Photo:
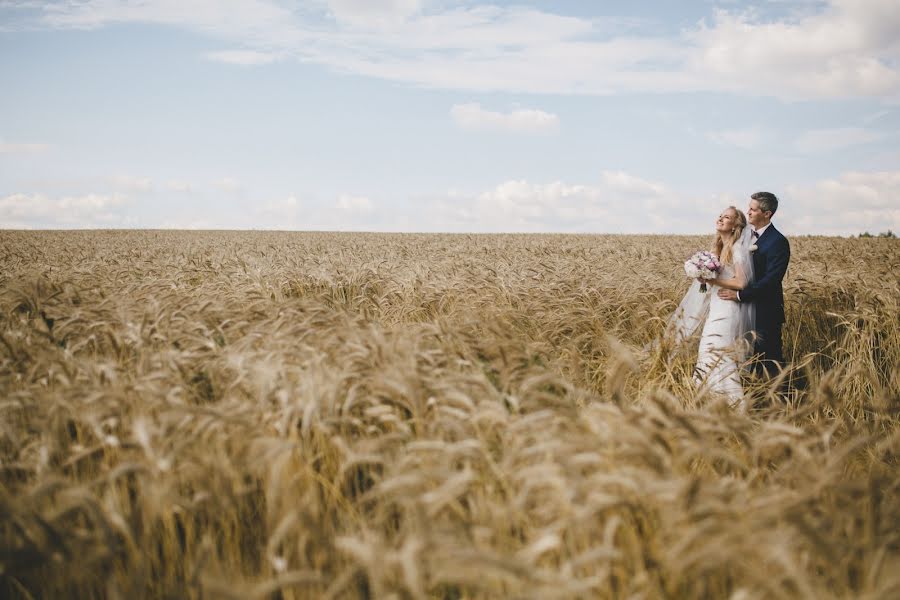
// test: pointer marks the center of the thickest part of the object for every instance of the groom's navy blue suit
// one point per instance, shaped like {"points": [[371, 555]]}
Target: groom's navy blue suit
{"points": [[770, 262]]}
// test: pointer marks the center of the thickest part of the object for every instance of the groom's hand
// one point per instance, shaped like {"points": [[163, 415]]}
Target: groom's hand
{"points": [[728, 295]]}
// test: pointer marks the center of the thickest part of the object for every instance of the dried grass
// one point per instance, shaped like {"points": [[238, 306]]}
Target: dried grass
{"points": [[280, 415]]}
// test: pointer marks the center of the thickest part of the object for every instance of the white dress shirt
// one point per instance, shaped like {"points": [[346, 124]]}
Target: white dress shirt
{"points": [[762, 229], [759, 233]]}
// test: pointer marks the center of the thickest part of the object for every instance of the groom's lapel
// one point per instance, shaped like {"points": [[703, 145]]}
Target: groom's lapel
{"points": [[765, 235]]}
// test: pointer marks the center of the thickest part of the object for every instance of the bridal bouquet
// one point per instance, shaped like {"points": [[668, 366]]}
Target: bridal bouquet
{"points": [[702, 265]]}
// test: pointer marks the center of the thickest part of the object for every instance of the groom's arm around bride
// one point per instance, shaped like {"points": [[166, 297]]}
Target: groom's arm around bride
{"points": [[770, 263]]}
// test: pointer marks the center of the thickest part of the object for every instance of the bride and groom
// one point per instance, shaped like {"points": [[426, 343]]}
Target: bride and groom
{"points": [[744, 308]]}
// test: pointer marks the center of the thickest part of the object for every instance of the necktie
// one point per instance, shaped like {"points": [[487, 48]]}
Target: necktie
{"points": [[755, 234]]}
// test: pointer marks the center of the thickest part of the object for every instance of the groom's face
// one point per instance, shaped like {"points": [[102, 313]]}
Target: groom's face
{"points": [[755, 216]]}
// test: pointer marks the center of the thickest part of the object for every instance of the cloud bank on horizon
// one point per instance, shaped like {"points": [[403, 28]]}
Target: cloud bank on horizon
{"points": [[448, 115]]}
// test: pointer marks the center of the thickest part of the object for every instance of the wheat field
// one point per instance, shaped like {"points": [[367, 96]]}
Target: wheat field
{"points": [[325, 415]]}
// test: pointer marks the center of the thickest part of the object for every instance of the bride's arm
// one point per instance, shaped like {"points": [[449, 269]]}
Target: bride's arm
{"points": [[738, 282]]}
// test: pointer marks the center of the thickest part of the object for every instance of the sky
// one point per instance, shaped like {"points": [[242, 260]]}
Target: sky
{"points": [[449, 115]]}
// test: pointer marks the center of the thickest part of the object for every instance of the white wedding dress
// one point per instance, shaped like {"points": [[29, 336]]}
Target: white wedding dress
{"points": [[725, 341], [717, 368]]}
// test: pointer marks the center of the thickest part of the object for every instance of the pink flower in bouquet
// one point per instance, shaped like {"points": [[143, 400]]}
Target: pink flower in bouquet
{"points": [[702, 265]]}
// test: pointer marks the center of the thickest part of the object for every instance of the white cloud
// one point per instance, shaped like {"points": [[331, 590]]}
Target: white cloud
{"points": [[243, 57], [355, 205], [617, 203], [129, 183], [346, 213], [175, 185], [746, 139], [828, 140], [240, 18], [510, 49], [227, 184], [841, 48], [623, 203], [39, 211], [623, 183], [848, 205], [523, 120], [373, 13], [282, 213], [22, 148], [848, 49], [875, 117]]}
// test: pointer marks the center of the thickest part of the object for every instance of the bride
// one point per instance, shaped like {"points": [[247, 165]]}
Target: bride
{"points": [[725, 341]]}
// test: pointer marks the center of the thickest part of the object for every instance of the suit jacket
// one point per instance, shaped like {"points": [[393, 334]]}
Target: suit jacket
{"points": [[770, 262]]}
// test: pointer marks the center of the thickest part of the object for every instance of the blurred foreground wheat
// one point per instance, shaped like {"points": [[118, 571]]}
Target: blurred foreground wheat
{"points": [[276, 415]]}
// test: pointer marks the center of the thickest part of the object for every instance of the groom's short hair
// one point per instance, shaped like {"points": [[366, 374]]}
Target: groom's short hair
{"points": [[766, 200]]}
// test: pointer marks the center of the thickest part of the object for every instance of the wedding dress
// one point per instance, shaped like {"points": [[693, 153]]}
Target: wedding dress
{"points": [[717, 367], [726, 337]]}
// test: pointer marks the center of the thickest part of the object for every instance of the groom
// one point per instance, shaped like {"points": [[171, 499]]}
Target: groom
{"points": [[770, 262]]}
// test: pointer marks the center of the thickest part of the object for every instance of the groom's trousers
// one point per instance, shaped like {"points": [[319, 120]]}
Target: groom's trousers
{"points": [[768, 350]]}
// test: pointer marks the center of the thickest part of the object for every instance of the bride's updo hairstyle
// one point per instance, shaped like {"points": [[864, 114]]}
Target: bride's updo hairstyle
{"points": [[724, 242]]}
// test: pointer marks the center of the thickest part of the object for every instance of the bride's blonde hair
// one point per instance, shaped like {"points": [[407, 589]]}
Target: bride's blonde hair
{"points": [[723, 244]]}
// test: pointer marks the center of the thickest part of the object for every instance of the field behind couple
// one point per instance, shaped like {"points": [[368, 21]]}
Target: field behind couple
{"points": [[314, 415]]}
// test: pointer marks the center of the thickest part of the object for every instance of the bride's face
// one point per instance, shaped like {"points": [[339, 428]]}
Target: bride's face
{"points": [[726, 221]]}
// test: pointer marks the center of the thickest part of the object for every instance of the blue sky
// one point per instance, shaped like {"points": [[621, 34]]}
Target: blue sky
{"points": [[448, 115]]}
